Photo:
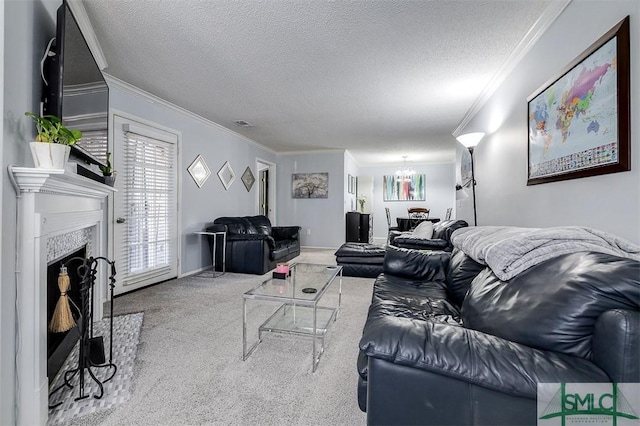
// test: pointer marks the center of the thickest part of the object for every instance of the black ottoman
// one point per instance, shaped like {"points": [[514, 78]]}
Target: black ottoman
{"points": [[360, 259]]}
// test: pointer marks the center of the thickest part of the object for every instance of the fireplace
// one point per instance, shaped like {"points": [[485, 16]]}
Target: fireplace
{"points": [[59, 345], [59, 213]]}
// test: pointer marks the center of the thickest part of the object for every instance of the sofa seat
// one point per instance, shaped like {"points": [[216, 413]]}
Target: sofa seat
{"points": [[283, 249], [360, 259]]}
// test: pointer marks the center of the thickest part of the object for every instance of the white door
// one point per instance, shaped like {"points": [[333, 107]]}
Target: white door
{"points": [[145, 206]]}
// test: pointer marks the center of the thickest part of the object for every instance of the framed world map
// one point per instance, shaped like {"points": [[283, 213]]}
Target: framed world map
{"points": [[578, 123]]}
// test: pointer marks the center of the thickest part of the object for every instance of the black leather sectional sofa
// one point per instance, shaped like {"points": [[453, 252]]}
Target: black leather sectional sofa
{"points": [[447, 343], [254, 246]]}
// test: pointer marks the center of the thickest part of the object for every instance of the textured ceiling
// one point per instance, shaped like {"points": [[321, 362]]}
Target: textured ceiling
{"points": [[382, 78]]}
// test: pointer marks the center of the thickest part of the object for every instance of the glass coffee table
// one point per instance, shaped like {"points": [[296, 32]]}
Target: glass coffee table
{"points": [[300, 312]]}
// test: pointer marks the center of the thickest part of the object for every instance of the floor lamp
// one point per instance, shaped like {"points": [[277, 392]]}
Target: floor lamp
{"points": [[470, 140]]}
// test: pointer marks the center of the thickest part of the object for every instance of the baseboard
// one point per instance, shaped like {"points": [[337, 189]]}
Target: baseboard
{"points": [[318, 248]]}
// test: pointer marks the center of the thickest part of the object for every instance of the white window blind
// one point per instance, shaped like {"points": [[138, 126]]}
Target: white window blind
{"points": [[151, 200]]}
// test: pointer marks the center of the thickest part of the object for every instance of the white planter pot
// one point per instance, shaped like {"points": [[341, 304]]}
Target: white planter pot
{"points": [[48, 155]]}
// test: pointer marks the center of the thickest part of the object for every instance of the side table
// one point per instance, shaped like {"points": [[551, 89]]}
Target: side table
{"points": [[215, 235]]}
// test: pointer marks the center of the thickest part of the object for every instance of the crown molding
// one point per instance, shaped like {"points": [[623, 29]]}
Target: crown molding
{"points": [[130, 88], [80, 13], [548, 16], [314, 151]]}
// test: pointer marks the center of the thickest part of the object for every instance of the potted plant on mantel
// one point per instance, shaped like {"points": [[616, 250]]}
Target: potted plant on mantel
{"points": [[53, 143], [107, 172]]}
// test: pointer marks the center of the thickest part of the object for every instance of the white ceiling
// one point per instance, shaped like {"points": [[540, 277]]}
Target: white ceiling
{"points": [[382, 78]]}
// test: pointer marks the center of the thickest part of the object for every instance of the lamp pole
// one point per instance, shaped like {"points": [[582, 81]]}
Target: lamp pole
{"points": [[473, 187], [470, 140]]}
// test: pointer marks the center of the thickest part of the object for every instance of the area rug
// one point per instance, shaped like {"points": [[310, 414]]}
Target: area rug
{"points": [[126, 334]]}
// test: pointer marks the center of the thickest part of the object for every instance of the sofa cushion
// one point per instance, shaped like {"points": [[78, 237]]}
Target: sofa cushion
{"points": [[363, 260], [402, 298], [261, 224], [442, 230], [360, 250], [423, 230], [285, 232], [555, 304], [364, 270], [416, 265], [282, 249], [461, 271]]}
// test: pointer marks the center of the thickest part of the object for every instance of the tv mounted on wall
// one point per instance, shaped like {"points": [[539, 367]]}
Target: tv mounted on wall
{"points": [[75, 89]]}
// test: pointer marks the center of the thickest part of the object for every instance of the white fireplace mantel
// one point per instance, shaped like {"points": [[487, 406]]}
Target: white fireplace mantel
{"points": [[51, 203], [57, 181]]}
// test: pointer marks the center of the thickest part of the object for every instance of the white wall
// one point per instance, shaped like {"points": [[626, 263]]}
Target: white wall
{"points": [[323, 217], [608, 202], [200, 206], [352, 168], [440, 194]]}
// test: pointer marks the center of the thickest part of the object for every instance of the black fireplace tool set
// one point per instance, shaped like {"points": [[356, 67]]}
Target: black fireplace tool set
{"points": [[91, 353]]}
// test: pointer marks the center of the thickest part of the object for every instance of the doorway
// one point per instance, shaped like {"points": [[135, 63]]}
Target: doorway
{"points": [[145, 207], [266, 194]]}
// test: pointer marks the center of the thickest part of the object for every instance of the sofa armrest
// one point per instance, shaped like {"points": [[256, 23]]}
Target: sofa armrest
{"points": [[252, 237], [285, 232], [615, 344], [415, 265], [216, 227], [471, 356], [415, 243]]}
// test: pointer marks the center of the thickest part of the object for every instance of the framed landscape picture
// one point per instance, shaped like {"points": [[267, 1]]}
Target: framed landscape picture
{"points": [[310, 185], [400, 188], [579, 121]]}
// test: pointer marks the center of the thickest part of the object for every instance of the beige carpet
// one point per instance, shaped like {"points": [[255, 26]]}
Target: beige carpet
{"points": [[189, 368]]}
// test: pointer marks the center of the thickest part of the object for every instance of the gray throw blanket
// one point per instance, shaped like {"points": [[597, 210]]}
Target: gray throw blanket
{"points": [[511, 250]]}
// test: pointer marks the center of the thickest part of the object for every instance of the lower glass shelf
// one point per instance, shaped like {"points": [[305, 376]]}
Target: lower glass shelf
{"points": [[292, 319]]}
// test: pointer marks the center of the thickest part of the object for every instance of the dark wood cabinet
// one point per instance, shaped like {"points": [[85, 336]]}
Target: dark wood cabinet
{"points": [[358, 227]]}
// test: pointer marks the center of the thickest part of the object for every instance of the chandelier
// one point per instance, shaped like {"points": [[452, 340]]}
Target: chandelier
{"points": [[405, 173]]}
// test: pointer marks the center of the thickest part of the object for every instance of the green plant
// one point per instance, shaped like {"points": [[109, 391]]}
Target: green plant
{"points": [[106, 168], [51, 129], [362, 199]]}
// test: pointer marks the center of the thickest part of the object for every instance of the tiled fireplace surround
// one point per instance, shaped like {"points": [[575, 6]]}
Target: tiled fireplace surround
{"points": [[58, 212]]}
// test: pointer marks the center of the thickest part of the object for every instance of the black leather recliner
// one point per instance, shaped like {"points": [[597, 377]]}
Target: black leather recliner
{"points": [[254, 246], [447, 343], [441, 239]]}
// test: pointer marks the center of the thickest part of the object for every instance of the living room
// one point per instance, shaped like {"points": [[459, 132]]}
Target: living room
{"points": [[608, 202]]}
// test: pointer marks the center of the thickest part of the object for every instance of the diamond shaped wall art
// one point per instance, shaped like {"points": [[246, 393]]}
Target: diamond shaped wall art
{"points": [[226, 175], [248, 179], [199, 171]]}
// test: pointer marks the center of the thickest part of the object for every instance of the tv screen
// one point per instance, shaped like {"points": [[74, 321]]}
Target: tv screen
{"points": [[77, 91]]}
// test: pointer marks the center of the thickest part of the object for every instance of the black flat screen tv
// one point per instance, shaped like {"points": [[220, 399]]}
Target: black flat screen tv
{"points": [[76, 90]]}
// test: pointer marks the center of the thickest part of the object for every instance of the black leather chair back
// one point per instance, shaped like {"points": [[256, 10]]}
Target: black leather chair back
{"points": [[236, 225]]}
